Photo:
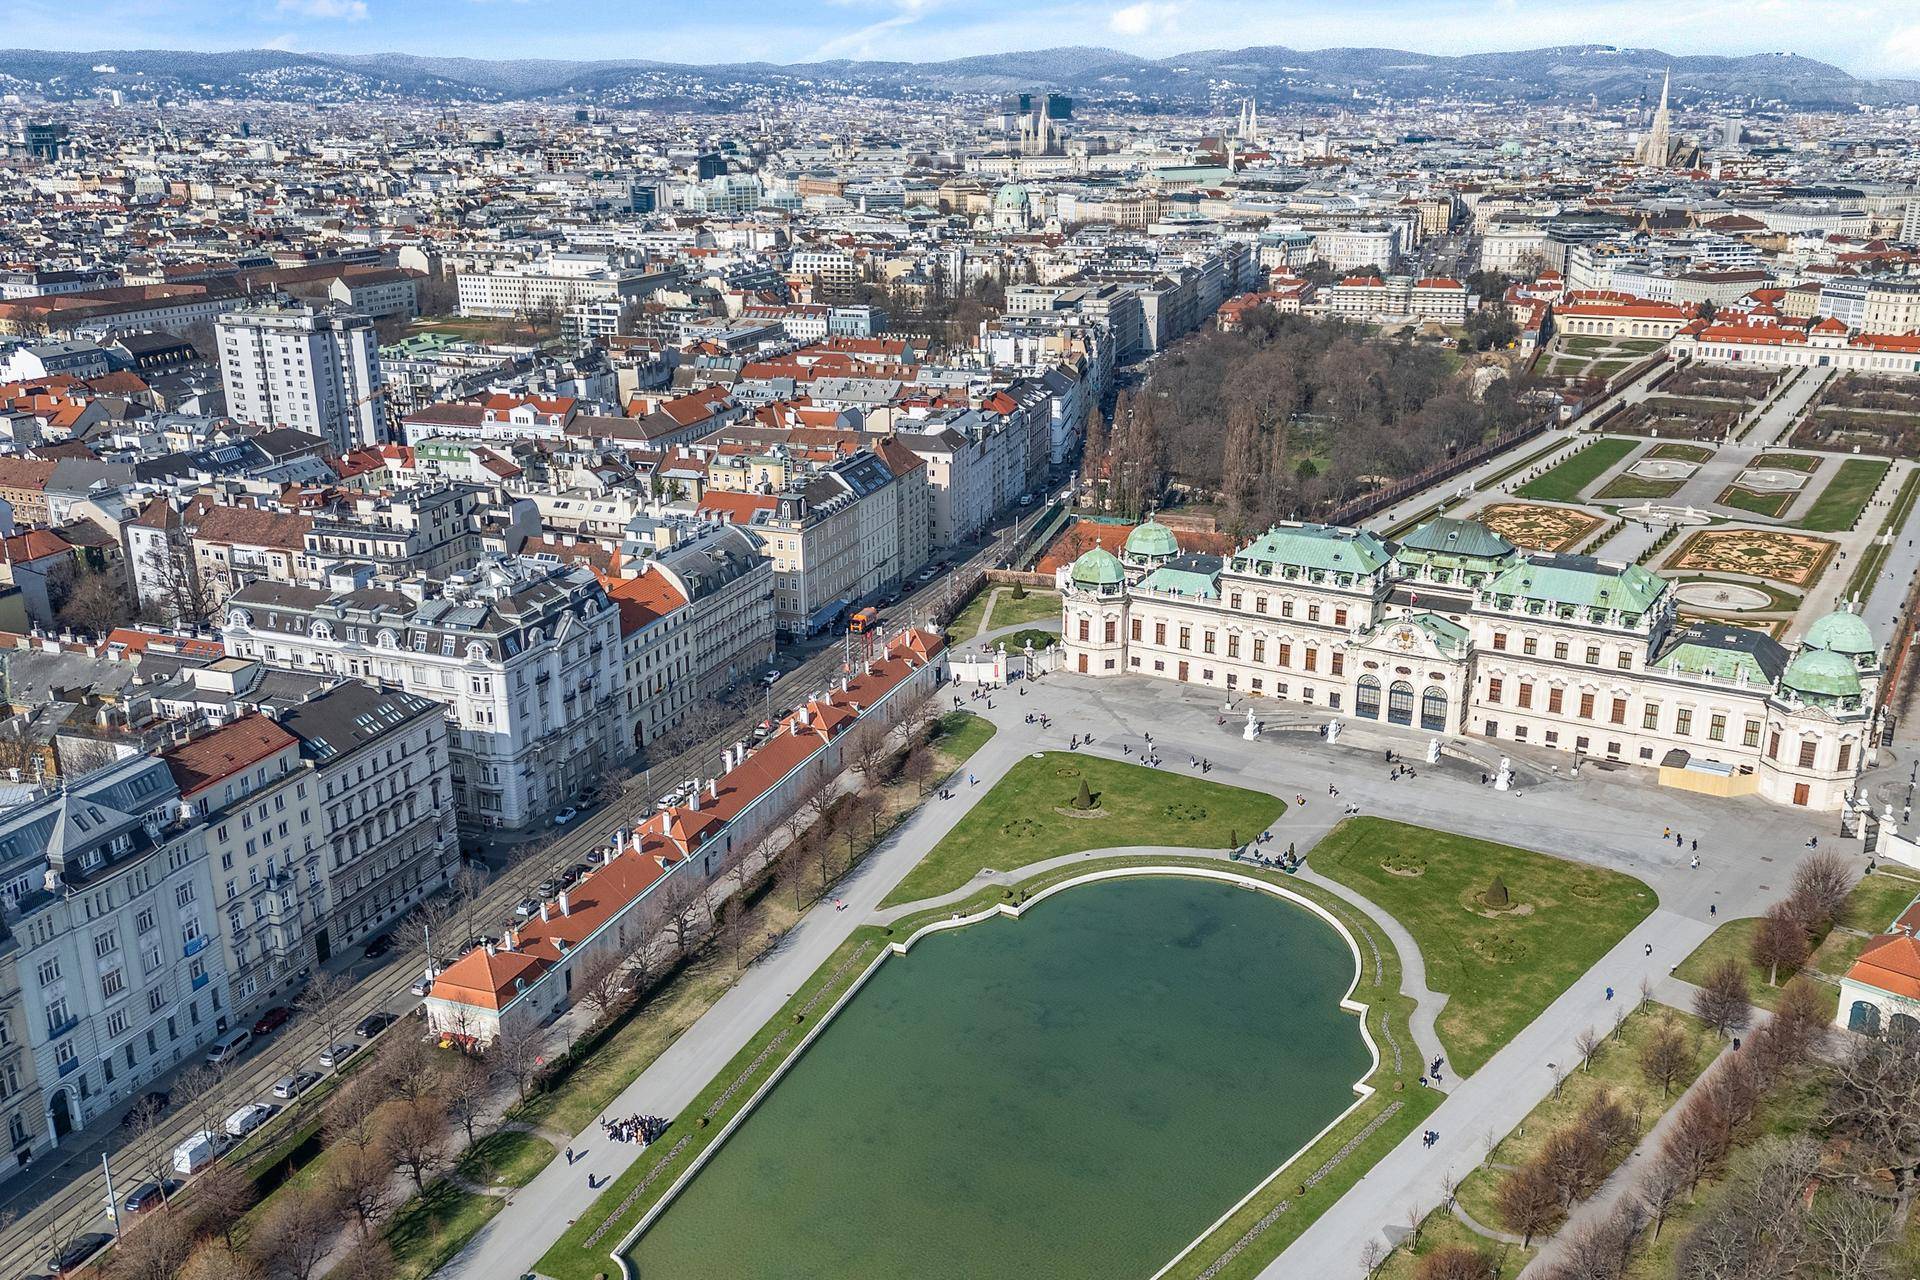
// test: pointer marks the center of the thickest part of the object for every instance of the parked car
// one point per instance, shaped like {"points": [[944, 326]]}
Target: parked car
{"points": [[596, 855], [229, 1047], [565, 816], [248, 1118], [421, 987], [771, 677], [149, 1195], [379, 946], [198, 1151], [75, 1255], [547, 888], [290, 1087], [150, 1103], [374, 1023], [272, 1020], [336, 1054], [527, 907]]}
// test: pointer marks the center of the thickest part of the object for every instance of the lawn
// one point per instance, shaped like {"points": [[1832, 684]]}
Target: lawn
{"points": [[1788, 461], [1566, 482], [1614, 1068], [1840, 503], [507, 1158], [1441, 1229], [1640, 487], [1871, 907], [429, 1229], [1680, 452], [1868, 571], [1028, 817], [966, 623], [1498, 969], [1761, 504], [1035, 606], [957, 735]]}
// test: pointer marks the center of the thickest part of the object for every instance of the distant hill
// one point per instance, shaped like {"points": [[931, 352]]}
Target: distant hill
{"points": [[1573, 74]]}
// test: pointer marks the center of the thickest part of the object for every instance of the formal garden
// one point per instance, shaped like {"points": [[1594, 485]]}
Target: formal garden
{"points": [[1535, 527], [1569, 479], [1671, 417], [1795, 559], [1877, 414]]}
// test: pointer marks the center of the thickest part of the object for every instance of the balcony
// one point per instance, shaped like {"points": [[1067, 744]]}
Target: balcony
{"points": [[69, 1066], [202, 981], [57, 1029], [195, 947]]}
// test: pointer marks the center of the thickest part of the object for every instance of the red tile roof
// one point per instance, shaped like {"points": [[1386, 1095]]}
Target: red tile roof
{"points": [[229, 750]]}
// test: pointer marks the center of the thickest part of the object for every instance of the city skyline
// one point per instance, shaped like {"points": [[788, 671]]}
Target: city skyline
{"points": [[1866, 37]]}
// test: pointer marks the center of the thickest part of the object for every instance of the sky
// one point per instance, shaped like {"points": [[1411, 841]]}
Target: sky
{"points": [[1867, 37]]}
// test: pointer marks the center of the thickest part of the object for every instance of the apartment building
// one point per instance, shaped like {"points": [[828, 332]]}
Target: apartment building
{"points": [[109, 930], [524, 657], [315, 370]]}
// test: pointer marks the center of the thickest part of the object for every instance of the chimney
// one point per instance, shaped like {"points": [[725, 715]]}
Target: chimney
{"points": [[546, 911], [566, 908], [490, 949], [713, 788]]}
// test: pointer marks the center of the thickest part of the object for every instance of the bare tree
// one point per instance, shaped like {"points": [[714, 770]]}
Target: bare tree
{"points": [[681, 910], [153, 1247], [871, 752], [195, 1090], [515, 1058], [408, 1066], [416, 1138], [736, 932], [221, 1195], [361, 1180], [1821, 885], [218, 1260], [352, 1117], [1660, 1190], [296, 1232], [97, 601], [1664, 1058], [1780, 942], [1588, 1042], [1722, 1003], [1454, 1262], [1854, 1236], [466, 1083], [1528, 1201], [467, 884], [1372, 1254], [1699, 1137], [188, 597], [1875, 1101], [599, 980], [323, 1002], [918, 768], [371, 1259]]}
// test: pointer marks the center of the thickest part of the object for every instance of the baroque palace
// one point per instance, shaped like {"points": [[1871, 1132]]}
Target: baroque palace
{"points": [[1454, 630]]}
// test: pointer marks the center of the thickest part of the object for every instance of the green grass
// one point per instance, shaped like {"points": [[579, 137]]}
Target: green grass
{"points": [[958, 734], [1037, 606], [508, 1158], [966, 623], [1640, 487], [1020, 821], [1016, 641], [1440, 1229], [1680, 452], [429, 1229], [1806, 462], [1566, 482], [1761, 504], [1867, 572], [1840, 503], [1878, 899], [1498, 971]]}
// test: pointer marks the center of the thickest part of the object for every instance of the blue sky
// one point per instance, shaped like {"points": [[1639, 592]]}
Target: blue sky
{"points": [[1869, 37]]}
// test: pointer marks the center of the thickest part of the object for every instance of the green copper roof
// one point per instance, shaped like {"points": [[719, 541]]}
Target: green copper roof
{"points": [[1580, 581], [1181, 582], [1446, 634], [1821, 673], [1446, 536], [1152, 541], [1098, 568], [1841, 632], [1317, 546]]}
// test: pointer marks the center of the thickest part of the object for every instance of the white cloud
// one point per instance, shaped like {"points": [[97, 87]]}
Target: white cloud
{"points": [[346, 10], [1144, 17]]}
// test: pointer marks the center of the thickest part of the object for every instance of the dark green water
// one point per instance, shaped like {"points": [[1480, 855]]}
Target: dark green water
{"points": [[1079, 1092]]}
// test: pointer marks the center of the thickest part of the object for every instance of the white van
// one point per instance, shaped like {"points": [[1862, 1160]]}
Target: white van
{"points": [[229, 1047], [248, 1118], [195, 1154]]}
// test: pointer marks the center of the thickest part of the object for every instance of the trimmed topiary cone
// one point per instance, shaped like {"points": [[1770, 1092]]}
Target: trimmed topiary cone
{"points": [[1497, 893]]}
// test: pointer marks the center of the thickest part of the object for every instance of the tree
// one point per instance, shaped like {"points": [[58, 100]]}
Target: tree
{"points": [[1084, 801], [407, 1067], [514, 1058], [97, 601], [352, 1115], [1528, 1201], [1660, 1190], [371, 1259], [1821, 885], [1722, 1003], [870, 751], [416, 1138], [1875, 1101], [918, 768], [221, 1195], [598, 981], [1699, 1137], [219, 1260], [1497, 893], [1664, 1057], [1779, 942], [195, 1090], [360, 1179], [152, 1247], [187, 598], [1588, 1042], [466, 1084], [323, 1003], [296, 1232], [1455, 1262], [681, 909]]}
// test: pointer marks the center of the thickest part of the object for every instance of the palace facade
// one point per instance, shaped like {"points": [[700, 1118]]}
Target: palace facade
{"points": [[1456, 631]]}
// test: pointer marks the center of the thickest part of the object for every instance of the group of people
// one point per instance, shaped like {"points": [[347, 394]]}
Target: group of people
{"points": [[1288, 861], [1429, 1137], [642, 1129]]}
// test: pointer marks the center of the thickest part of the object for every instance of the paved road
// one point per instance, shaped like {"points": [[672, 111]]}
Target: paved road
{"points": [[1609, 817]]}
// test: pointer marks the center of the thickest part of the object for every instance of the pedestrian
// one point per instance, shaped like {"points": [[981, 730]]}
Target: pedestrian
{"points": [[1665, 832], [1696, 849], [1695, 864], [569, 1155], [1649, 948], [1713, 909], [1609, 993]]}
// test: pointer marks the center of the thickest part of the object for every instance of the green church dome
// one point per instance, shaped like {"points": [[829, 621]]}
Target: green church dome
{"points": [[1098, 568], [1152, 541], [1841, 632], [1821, 673]]}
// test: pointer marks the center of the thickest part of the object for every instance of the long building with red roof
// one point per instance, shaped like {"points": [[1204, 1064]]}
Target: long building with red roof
{"points": [[510, 987]]}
